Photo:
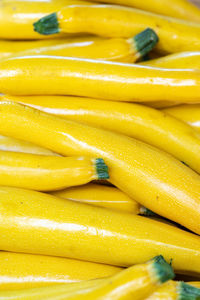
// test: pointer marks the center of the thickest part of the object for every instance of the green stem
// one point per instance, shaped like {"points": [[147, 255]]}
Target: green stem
{"points": [[188, 292], [47, 25], [145, 41], [162, 269], [101, 169]]}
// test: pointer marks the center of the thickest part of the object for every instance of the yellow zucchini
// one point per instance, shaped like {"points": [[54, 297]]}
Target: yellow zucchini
{"points": [[103, 196], [150, 176], [146, 124], [21, 271], [187, 113], [173, 290], [182, 9], [182, 60], [137, 281], [15, 145], [116, 49], [56, 75], [37, 223], [48, 173], [117, 21], [17, 16]]}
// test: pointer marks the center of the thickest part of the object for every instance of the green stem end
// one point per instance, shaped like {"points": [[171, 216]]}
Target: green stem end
{"points": [[101, 169], [47, 25], [188, 292], [163, 270], [145, 41]]}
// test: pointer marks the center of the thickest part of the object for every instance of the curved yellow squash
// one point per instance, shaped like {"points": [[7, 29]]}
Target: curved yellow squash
{"points": [[17, 16], [137, 281], [151, 177], [182, 60], [101, 195], [141, 122], [173, 290], [117, 21], [187, 113], [182, 9], [33, 222], [116, 49], [55, 75], [15, 145], [48, 173], [20, 271]]}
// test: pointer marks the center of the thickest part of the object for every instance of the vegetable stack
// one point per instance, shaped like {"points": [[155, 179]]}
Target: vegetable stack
{"points": [[99, 150]]}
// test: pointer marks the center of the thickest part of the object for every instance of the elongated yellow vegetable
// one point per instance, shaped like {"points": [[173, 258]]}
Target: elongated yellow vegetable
{"points": [[55, 75], [186, 113], [143, 123], [17, 16], [182, 9], [150, 176], [101, 195], [15, 145], [187, 60], [20, 271], [33, 222], [11, 48], [137, 281], [116, 21], [48, 173], [173, 290], [115, 49]]}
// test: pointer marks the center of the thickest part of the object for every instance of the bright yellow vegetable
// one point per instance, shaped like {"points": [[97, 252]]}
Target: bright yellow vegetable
{"points": [[133, 283], [150, 176], [11, 144], [186, 113], [48, 173], [115, 49], [17, 16], [182, 9], [33, 222], [20, 271], [56, 75], [101, 195], [173, 290], [183, 60], [11, 48], [116, 21], [141, 122]]}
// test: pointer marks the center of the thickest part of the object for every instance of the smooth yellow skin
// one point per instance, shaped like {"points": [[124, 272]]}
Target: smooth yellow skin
{"points": [[115, 49], [56, 75], [33, 222], [116, 21], [150, 176], [17, 16], [44, 173], [141, 122], [50, 292], [10, 48], [22, 271], [15, 145], [187, 60], [186, 113], [137, 281], [167, 291], [182, 9], [101, 195]]}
